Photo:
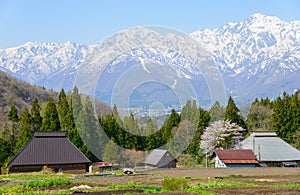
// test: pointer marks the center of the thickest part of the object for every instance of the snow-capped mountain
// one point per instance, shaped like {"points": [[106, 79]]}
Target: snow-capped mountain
{"points": [[124, 62], [258, 57], [249, 46], [37, 62]]}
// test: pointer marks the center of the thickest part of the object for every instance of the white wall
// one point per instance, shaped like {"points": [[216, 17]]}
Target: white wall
{"points": [[219, 163]]}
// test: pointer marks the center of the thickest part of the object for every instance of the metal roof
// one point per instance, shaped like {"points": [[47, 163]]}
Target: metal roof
{"points": [[240, 161], [236, 156], [268, 147], [47, 148], [50, 134], [155, 156]]}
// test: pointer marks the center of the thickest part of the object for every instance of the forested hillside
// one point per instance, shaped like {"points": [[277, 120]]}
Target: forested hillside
{"points": [[26, 109], [192, 133], [19, 93]]}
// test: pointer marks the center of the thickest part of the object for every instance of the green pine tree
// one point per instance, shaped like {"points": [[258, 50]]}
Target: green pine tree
{"points": [[172, 122], [88, 128], [132, 131], [89, 154], [26, 129], [77, 104], [71, 128], [13, 114], [294, 112], [6, 151], [217, 112], [112, 129], [117, 116], [63, 109], [6, 133], [36, 115], [190, 112], [150, 139], [285, 119], [14, 118], [50, 121], [232, 114], [203, 122]]}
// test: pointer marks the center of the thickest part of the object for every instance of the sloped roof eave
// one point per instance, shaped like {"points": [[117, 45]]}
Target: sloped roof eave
{"points": [[155, 157], [270, 148], [49, 148]]}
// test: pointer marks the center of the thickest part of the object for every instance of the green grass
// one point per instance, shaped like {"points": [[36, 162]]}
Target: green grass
{"points": [[132, 185], [32, 176], [289, 185], [38, 183], [45, 183], [201, 188], [32, 182]]}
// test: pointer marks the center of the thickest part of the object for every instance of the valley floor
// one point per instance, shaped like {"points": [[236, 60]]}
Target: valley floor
{"points": [[198, 181]]}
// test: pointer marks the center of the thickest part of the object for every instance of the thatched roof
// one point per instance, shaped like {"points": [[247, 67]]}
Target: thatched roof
{"points": [[48, 148]]}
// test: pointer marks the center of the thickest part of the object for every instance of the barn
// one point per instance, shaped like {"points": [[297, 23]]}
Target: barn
{"points": [[159, 158], [270, 150], [51, 149], [235, 158]]}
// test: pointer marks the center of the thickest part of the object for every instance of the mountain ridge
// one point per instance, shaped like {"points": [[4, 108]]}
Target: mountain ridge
{"points": [[262, 50]]}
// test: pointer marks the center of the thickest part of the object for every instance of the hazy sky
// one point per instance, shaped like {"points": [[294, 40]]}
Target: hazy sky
{"points": [[89, 21]]}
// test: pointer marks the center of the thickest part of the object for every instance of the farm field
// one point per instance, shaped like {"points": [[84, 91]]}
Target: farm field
{"points": [[160, 181]]}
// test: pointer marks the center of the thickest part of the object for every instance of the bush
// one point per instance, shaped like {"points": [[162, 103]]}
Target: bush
{"points": [[174, 184]]}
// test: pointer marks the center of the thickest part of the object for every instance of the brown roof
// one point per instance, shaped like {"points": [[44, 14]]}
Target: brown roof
{"points": [[50, 134], [236, 156], [47, 148]]}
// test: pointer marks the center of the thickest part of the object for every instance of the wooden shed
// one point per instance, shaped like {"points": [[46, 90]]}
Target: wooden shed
{"points": [[51, 149], [159, 158], [235, 158]]}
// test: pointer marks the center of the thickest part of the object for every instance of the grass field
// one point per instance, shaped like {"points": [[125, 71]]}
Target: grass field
{"points": [[160, 181]]}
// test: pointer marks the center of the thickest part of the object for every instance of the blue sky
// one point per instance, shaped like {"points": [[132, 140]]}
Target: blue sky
{"points": [[89, 21]]}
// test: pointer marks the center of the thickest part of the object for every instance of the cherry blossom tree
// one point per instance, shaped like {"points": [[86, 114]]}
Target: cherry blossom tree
{"points": [[221, 135]]}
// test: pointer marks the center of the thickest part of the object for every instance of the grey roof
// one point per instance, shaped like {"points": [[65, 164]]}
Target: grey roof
{"points": [[155, 156], [268, 147], [47, 148]]}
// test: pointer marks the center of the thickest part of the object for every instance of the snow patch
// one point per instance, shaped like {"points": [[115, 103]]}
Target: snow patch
{"points": [[174, 84]]}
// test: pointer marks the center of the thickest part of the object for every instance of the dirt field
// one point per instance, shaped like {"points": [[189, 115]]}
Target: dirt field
{"points": [[260, 191], [215, 172], [216, 181], [264, 178]]}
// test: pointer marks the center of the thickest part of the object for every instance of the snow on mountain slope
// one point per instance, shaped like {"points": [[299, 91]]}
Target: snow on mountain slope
{"points": [[34, 62], [257, 57], [162, 57], [250, 46]]}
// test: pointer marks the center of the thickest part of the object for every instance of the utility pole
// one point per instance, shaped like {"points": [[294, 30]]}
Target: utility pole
{"points": [[206, 160]]}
